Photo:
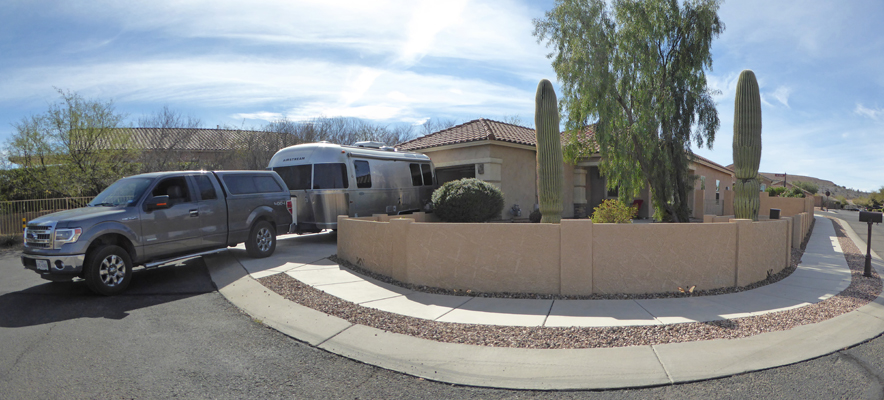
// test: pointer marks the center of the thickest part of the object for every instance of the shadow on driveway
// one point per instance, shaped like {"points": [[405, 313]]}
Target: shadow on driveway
{"points": [[54, 302]]}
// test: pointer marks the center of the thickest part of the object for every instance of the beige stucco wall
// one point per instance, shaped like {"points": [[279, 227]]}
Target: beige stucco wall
{"points": [[517, 177], [485, 257], [760, 249], [576, 257], [711, 174], [788, 206], [656, 258]]}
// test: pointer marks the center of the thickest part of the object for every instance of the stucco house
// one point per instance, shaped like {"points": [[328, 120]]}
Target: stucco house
{"points": [[505, 155]]}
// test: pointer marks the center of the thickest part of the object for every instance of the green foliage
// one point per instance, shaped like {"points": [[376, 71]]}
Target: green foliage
{"points": [[549, 153], [467, 200], [794, 192], [74, 149], [613, 212], [635, 71], [775, 191], [810, 187]]}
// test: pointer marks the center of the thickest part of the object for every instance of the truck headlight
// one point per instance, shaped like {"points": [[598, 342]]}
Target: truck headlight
{"points": [[63, 236]]}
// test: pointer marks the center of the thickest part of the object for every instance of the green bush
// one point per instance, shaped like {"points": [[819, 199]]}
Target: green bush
{"points": [[467, 200], [794, 192], [613, 211], [775, 191]]}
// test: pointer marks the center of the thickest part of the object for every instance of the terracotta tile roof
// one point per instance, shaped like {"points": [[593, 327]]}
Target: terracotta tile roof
{"points": [[473, 131], [482, 129]]}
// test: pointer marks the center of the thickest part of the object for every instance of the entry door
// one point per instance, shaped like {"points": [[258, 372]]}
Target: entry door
{"points": [[175, 230], [212, 211]]}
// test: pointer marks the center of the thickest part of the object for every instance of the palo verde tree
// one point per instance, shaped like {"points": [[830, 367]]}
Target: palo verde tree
{"points": [[74, 148], [635, 71]]}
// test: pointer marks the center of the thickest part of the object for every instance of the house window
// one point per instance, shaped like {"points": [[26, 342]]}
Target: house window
{"points": [[363, 174], [702, 183], [717, 186], [613, 192]]}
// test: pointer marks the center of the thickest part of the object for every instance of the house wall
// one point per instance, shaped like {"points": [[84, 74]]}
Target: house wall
{"points": [[575, 257], [517, 178]]}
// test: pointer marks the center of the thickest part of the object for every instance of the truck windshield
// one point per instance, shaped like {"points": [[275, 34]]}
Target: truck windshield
{"points": [[123, 192]]}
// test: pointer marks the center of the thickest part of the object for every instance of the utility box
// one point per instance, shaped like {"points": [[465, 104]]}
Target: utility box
{"points": [[865, 216]]}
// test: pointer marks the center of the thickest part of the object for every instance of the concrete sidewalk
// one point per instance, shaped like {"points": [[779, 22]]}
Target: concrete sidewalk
{"points": [[822, 274]]}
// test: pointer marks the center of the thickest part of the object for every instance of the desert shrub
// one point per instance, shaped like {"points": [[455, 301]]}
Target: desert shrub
{"points": [[467, 200], [613, 211], [10, 240], [775, 191], [794, 192], [810, 187], [535, 216]]}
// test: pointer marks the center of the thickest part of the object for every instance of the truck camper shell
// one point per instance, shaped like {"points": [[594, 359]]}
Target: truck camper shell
{"points": [[366, 178]]}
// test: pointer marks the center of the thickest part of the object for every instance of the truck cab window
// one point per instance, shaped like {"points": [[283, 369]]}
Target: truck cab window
{"points": [[296, 177], [206, 189], [248, 184], [330, 176], [176, 188], [363, 174], [415, 174], [428, 174]]}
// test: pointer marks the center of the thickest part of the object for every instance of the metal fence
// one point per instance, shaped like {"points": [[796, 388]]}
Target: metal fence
{"points": [[14, 214]]}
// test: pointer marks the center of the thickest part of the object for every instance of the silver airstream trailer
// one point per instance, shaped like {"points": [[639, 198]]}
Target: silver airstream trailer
{"points": [[366, 178]]}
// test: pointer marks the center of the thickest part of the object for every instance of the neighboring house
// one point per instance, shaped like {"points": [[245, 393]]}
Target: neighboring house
{"points": [[165, 148], [505, 155]]}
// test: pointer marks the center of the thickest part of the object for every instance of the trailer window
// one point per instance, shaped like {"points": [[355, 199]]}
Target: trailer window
{"points": [[296, 177], [248, 184], [363, 174], [428, 174], [330, 176], [415, 174]]}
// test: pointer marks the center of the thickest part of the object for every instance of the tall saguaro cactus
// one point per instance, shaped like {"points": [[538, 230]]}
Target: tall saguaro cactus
{"points": [[747, 146], [549, 153]]}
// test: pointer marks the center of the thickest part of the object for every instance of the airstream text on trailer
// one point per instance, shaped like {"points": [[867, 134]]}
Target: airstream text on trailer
{"points": [[367, 178]]}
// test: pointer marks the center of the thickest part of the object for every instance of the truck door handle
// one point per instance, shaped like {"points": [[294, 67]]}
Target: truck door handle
{"points": [[194, 213]]}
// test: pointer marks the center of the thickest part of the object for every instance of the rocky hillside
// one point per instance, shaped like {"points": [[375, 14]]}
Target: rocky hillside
{"points": [[824, 185]]}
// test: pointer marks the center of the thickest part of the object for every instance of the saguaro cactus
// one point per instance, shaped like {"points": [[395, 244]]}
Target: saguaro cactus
{"points": [[549, 153], [747, 146]]}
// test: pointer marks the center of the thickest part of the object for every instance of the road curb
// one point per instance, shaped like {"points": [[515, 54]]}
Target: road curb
{"points": [[544, 369]]}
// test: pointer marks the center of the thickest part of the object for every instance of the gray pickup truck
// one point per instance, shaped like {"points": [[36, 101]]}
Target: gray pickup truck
{"points": [[153, 219]]}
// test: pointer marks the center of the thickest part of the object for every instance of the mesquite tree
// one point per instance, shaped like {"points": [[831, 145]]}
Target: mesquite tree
{"points": [[636, 71]]}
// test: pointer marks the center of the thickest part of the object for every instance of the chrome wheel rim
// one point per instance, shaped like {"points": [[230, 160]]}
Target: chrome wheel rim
{"points": [[112, 271], [265, 239]]}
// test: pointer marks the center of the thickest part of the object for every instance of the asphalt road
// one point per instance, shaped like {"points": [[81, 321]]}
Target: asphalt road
{"points": [[171, 335], [862, 229]]}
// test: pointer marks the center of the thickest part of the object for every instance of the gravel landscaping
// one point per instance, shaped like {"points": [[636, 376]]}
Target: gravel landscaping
{"points": [[860, 292]]}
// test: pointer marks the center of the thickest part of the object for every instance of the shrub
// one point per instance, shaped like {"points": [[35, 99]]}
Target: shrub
{"points": [[775, 191], [613, 211], [794, 192], [535, 216], [467, 200]]}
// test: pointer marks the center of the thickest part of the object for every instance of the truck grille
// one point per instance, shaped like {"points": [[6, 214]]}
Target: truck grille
{"points": [[39, 236]]}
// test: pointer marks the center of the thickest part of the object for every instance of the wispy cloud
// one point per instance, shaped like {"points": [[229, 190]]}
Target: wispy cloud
{"points": [[781, 94], [874, 113], [260, 115]]}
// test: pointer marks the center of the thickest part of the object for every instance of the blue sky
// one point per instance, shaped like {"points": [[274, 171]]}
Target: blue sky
{"points": [[820, 66]]}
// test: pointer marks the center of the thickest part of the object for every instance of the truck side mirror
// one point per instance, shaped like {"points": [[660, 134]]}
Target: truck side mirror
{"points": [[157, 203]]}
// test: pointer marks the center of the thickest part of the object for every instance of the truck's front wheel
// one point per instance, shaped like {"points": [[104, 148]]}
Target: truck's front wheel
{"points": [[262, 240], [108, 270]]}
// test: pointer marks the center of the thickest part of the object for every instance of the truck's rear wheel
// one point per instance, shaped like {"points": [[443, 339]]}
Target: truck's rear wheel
{"points": [[262, 240], [108, 270]]}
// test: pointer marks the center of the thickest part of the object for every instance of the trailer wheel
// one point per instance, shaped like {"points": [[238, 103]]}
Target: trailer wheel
{"points": [[108, 270], [262, 240]]}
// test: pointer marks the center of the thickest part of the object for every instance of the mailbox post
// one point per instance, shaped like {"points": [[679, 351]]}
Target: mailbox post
{"points": [[870, 218]]}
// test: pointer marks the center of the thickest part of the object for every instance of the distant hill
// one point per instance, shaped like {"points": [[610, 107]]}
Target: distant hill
{"points": [[824, 185]]}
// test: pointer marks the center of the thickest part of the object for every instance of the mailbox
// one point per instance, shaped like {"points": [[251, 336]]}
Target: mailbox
{"points": [[865, 216], [774, 213]]}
